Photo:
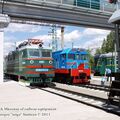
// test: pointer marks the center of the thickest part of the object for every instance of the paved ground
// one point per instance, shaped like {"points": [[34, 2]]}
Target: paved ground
{"points": [[97, 80], [22, 103], [87, 91]]}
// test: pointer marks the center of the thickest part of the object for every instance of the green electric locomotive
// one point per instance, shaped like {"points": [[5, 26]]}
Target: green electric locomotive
{"points": [[103, 61], [30, 62]]}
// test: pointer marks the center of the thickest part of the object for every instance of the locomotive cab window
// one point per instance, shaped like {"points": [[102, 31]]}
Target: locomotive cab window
{"points": [[71, 56], [63, 56], [99, 62], [24, 54], [109, 61], [77, 57], [84, 57], [46, 53], [34, 53], [117, 61]]}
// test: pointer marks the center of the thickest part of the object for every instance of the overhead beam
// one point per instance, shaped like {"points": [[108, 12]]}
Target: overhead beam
{"points": [[60, 15]]}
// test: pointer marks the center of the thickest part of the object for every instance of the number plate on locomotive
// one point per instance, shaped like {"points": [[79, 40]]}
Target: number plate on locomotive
{"points": [[80, 70], [41, 70]]}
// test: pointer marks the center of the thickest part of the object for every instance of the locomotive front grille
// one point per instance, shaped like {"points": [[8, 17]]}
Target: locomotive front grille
{"points": [[82, 75]]}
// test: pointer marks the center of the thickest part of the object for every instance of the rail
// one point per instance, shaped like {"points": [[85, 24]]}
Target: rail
{"points": [[96, 87], [83, 98]]}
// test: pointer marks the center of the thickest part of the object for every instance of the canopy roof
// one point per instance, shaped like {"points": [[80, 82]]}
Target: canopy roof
{"points": [[115, 18]]}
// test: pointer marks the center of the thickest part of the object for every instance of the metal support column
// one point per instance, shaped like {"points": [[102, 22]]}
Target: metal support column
{"points": [[1, 54], [4, 22], [117, 41], [62, 38], [114, 93]]}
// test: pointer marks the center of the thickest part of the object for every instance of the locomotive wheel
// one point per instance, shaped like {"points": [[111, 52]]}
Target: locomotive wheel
{"points": [[70, 80]]}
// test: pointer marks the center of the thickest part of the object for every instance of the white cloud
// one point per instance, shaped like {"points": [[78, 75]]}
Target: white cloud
{"points": [[8, 46], [14, 27], [92, 38], [95, 37], [88, 38], [94, 32], [45, 38], [68, 37], [10, 38], [95, 43], [74, 35]]}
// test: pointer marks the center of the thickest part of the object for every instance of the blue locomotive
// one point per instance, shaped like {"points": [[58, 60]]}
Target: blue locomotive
{"points": [[71, 66]]}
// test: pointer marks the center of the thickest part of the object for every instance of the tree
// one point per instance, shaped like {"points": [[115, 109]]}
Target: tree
{"points": [[103, 47], [98, 51], [110, 39], [91, 58], [107, 45]]}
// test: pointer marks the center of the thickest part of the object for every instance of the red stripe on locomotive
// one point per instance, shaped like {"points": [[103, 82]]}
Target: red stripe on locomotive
{"points": [[38, 66], [64, 71]]}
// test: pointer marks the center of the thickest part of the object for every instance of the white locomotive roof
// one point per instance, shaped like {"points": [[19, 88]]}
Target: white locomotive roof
{"points": [[28, 47], [108, 54], [115, 18], [28, 44], [33, 47]]}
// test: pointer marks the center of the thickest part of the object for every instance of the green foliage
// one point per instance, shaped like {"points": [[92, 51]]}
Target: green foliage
{"points": [[98, 51], [107, 45], [91, 58]]}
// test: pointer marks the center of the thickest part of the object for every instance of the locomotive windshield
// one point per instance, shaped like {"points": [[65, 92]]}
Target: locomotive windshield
{"points": [[82, 57], [46, 53], [71, 56], [63, 56], [34, 53]]}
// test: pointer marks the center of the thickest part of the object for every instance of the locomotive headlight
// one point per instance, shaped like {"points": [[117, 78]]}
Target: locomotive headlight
{"points": [[23, 63], [50, 62], [41, 62], [31, 61]]}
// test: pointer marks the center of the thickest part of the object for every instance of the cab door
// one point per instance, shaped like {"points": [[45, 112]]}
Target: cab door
{"points": [[20, 61], [103, 66]]}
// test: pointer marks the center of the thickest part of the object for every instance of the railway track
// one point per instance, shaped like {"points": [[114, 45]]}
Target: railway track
{"points": [[96, 87], [93, 86], [93, 101], [88, 99]]}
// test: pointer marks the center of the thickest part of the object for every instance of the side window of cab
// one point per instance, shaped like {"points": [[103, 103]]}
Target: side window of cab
{"points": [[24, 53]]}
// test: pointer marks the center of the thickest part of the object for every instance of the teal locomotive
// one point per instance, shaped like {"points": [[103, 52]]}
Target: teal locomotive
{"points": [[103, 61], [30, 62]]}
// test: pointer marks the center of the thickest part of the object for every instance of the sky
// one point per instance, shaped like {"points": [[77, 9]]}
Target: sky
{"points": [[81, 37]]}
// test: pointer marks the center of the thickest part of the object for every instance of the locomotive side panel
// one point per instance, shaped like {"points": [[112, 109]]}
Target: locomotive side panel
{"points": [[105, 61], [12, 64]]}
